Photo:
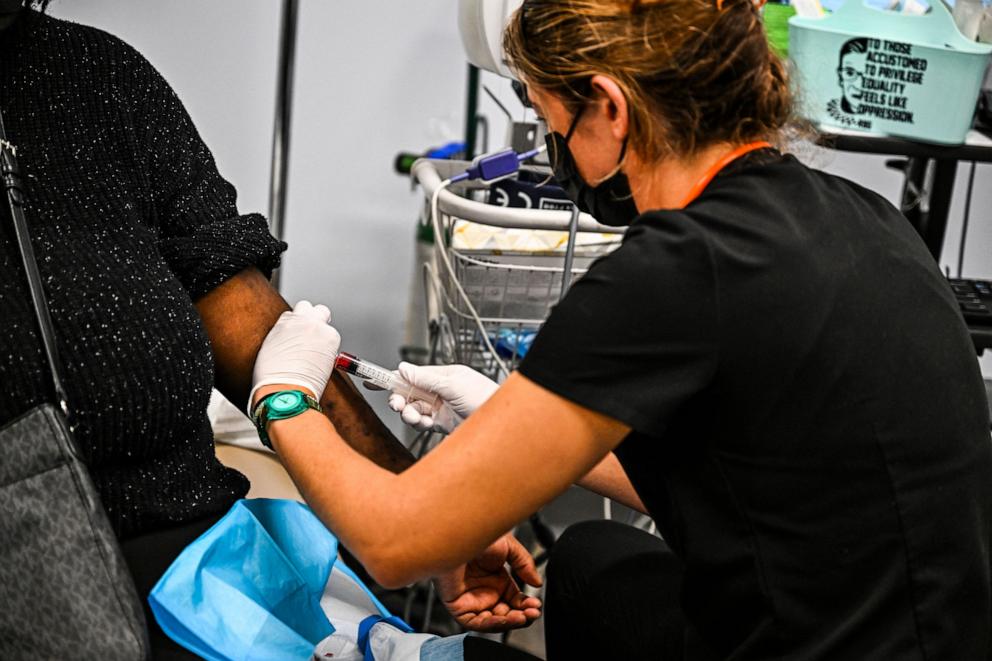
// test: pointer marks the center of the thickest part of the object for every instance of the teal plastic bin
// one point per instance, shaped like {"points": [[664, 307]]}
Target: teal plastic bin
{"points": [[871, 70]]}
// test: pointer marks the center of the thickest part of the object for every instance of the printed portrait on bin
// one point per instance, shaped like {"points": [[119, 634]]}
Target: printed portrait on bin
{"points": [[850, 74]]}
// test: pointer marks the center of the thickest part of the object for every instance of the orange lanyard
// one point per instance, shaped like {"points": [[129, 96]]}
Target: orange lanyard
{"points": [[701, 185]]}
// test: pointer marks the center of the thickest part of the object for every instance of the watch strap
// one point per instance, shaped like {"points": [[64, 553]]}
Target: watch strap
{"points": [[262, 413]]}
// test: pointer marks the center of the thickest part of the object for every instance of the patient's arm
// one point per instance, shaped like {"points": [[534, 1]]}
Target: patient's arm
{"points": [[237, 316]]}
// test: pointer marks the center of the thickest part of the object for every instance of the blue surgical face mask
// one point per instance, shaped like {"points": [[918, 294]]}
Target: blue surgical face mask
{"points": [[610, 201]]}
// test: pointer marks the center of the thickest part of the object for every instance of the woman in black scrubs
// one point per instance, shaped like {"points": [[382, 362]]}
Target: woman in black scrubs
{"points": [[771, 365]]}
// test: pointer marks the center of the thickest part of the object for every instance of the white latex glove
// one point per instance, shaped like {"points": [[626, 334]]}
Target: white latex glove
{"points": [[462, 390], [299, 350]]}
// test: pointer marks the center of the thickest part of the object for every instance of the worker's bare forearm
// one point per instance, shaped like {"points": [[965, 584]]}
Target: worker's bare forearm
{"points": [[237, 316], [608, 479]]}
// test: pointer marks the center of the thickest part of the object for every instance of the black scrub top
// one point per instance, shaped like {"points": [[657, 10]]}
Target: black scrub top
{"points": [[810, 430]]}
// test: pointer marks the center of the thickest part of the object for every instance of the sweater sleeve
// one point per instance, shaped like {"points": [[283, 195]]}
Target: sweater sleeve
{"points": [[202, 237]]}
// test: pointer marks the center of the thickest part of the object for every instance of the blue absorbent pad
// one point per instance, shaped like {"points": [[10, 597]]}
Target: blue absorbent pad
{"points": [[251, 588]]}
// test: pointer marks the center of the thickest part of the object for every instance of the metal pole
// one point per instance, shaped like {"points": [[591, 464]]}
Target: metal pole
{"points": [[573, 233], [471, 112], [283, 121]]}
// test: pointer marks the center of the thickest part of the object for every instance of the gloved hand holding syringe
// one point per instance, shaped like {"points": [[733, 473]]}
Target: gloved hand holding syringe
{"points": [[380, 377], [303, 349]]}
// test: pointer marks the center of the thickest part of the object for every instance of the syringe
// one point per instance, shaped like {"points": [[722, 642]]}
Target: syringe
{"points": [[383, 378]]}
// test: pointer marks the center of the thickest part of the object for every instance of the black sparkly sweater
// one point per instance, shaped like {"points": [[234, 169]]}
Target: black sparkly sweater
{"points": [[131, 223]]}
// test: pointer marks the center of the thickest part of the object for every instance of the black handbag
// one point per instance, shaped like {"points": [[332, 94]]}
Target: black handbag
{"points": [[65, 591]]}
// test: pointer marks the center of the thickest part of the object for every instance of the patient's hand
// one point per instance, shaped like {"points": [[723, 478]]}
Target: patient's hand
{"points": [[482, 596]]}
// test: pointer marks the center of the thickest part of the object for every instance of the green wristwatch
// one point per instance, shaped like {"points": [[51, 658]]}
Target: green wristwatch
{"points": [[280, 406]]}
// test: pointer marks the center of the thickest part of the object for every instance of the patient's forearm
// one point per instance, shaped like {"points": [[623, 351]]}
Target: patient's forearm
{"points": [[361, 428], [237, 316]]}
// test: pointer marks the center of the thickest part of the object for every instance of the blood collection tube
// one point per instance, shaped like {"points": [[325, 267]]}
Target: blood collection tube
{"points": [[383, 378]]}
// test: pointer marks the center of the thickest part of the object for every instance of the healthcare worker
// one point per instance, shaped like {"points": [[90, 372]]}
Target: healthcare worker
{"points": [[771, 365]]}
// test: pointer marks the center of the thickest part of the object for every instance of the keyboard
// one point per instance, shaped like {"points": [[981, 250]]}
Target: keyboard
{"points": [[974, 299]]}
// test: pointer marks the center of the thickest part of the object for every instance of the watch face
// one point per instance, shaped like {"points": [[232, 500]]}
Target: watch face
{"points": [[286, 402]]}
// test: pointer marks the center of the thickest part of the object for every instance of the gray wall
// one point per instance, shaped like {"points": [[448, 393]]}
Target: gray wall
{"points": [[373, 78]]}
